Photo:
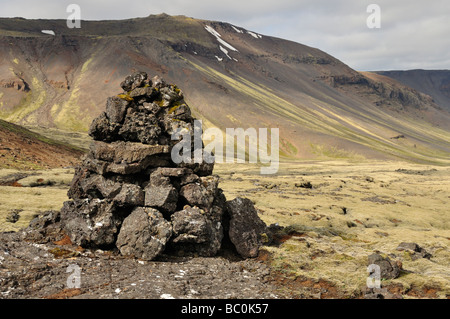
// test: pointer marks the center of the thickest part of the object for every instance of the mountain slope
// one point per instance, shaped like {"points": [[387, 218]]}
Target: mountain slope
{"points": [[23, 149], [435, 83], [231, 77]]}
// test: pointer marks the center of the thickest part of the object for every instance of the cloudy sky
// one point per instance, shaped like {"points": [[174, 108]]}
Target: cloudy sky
{"points": [[414, 34]]}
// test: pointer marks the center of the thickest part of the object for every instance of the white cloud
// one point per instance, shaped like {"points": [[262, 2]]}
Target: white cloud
{"points": [[413, 34]]}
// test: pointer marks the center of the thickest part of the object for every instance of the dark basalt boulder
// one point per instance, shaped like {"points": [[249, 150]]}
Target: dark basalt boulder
{"points": [[144, 234], [389, 269], [415, 251], [246, 230], [196, 232], [92, 223]]}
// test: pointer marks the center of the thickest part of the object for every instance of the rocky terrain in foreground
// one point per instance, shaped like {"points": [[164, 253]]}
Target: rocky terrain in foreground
{"points": [[32, 265], [42, 262]]}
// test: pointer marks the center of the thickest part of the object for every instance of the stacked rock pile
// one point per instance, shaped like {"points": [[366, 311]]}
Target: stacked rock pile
{"points": [[128, 193]]}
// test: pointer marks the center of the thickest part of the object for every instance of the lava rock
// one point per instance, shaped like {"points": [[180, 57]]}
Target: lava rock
{"points": [[200, 169], [13, 216], [195, 233], [44, 228], [388, 269], [130, 195], [246, 230], [162, 197], [179, 112], [91, 223], [88, 185], [189, 179], [102, 129], [133, 81], [140, 127], [125, 152], [416, 252], [380, 293], [201, 194], [146, 91], [190, 226], [158, 82], [144, 234], [116, 108]]}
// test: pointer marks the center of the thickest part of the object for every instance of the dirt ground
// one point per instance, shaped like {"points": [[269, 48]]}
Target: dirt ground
{"points": [[31, 270]]}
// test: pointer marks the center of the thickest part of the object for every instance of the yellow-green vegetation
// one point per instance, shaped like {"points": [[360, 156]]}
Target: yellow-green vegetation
{"points": [[174, 107], [38, 192], [59, 252], [76, 140], [69, 115], [10, 161], [31, 102], [352, 210], [332, 152], [125, 97], [287, 148]]}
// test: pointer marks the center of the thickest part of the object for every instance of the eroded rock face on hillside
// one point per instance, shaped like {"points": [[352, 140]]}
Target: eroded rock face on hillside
{"points": [[128, 193]]}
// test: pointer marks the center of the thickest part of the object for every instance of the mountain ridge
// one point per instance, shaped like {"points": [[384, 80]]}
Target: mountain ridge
{"points": [[435, 83], [231, 77]]}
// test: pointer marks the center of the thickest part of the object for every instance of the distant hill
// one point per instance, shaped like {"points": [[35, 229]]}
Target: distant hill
{"points": [[435, 83], [231, 77], [23, 149]]}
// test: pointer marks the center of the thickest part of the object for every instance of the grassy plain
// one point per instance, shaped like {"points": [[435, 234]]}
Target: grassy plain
{"points": [[352, 211], [37, 191]]}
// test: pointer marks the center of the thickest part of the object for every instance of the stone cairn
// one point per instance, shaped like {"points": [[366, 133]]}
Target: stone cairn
{"points": [[128, 193]]}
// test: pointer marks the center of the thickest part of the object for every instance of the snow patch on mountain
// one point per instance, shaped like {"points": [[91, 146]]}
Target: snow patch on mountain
{"points": [[50, 32], [224, 51], [255, 35], [229, 46], [222, 43], [212, 31], [237, 30]]}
